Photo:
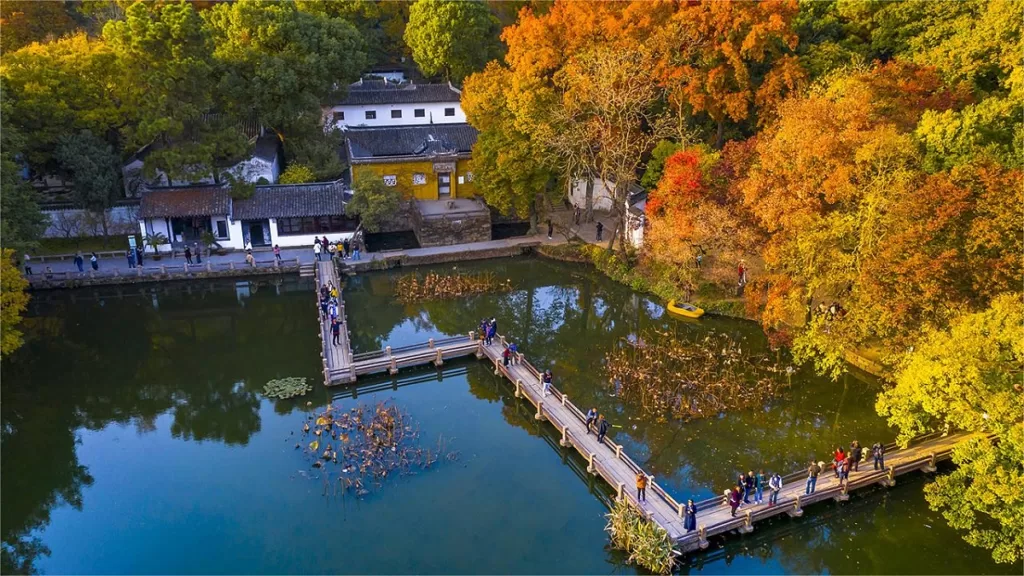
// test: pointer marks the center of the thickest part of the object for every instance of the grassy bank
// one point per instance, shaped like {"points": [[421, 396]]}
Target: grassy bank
{"points": [[624, 268]]}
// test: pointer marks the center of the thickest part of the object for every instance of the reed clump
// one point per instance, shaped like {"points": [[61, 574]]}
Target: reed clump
{"points": [[433, 286], [355, 450], [648, 544], [669, 377]]}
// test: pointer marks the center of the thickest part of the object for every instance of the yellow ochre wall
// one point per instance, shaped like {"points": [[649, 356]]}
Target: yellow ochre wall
{"points": [[404, 172]]}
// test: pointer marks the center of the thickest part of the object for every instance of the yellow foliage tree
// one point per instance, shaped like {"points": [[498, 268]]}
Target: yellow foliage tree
{"points": [[13, 301]]}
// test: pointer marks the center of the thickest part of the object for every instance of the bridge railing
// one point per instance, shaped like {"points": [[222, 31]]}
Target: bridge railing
{"points": [[430, 344], [619, 451]]}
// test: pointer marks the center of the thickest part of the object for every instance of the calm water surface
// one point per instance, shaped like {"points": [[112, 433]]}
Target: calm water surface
{"points": [[135, 439]]}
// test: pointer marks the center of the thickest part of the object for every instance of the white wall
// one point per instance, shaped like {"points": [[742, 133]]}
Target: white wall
{"points": [[250, 170], [303, 239], [433, 112], [604, 193], [74, 222], [634, 230]]}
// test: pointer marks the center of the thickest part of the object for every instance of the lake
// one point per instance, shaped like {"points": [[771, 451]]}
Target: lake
{"points": [[136, 439]]}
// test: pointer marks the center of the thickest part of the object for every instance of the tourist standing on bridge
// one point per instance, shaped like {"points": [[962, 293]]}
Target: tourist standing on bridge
{"points": [[591, 418], [513, 351], [641, 487], [336, 331], [812, 477], [734, 498], [325, 299], [760, 481], [844, 471], [546, 379], [506, 356], [856, 453], [316, 249], [878, 452], [602, 428], [837, 460], [690, 520], [775, 484]]}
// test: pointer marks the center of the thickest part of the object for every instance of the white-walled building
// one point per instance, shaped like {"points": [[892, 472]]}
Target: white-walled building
{"points": [[376, 102], [264, 166], [634, 216], [285, 215]]}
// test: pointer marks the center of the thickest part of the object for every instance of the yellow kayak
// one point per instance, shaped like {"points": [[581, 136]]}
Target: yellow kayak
{"points": [[687, 310]]}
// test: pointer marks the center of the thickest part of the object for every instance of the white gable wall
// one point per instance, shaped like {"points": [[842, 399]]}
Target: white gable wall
{"points": [[433, 113]]}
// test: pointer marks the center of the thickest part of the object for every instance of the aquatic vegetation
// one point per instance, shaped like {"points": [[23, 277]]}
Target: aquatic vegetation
{"points": [[668, 376], [647, 543], [358, 448], [286, 388], [433, 286]]}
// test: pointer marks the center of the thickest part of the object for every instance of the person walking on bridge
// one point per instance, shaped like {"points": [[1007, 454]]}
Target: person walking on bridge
{"points": [[878, 453], [641, 487], [591, 418], [602, 428], [316, 249], [513, 351], [856, 453], [812, 477], [546, 379], [776, 486], [760, 481], [336, 331], [837, 460], [690, 520], [734, 498]]}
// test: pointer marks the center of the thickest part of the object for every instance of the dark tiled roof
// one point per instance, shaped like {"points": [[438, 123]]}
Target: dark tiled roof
{"points": [[184, 201], [366, 144], [373, 91], [292, 201]]}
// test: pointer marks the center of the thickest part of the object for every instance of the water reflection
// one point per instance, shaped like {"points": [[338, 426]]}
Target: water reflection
{"points": [[169, 349]]}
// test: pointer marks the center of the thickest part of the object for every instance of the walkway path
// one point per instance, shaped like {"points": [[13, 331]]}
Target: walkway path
{"points": [[337, 358]]}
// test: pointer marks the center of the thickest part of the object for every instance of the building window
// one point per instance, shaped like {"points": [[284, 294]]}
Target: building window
{"points": [[339, 116], [469, 176], [396, 113], [419, 113], [419, 178], [449, 111], [222, 230], [462, 180], [315, 225], [371, 114], [391, 180]]}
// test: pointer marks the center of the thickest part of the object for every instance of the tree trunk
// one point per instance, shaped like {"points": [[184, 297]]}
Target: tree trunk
{"points": [[588, 214], [533, 214], [720, 139]]}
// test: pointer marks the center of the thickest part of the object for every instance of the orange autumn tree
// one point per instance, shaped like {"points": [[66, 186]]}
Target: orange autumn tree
{"points": [[697, 208], [827, 180], [727, 58]]}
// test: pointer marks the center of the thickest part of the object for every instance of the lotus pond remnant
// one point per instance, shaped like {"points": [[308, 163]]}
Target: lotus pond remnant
{"points": [[433, 286], [358, 448], [670, 376]]}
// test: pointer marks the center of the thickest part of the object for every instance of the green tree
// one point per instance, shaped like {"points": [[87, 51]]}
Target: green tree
{"points": [[60, 87], [453, 38], [374, 202], [656, 164], [317, 148], [94, 167], [297, 174], [281, 63], [13, 301], [511, 169], [968, 377], [381, 23], [21, 222], [167, 49]]}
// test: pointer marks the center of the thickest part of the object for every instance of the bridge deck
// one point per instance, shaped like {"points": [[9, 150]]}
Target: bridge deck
{"points": [[336, 359]]}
